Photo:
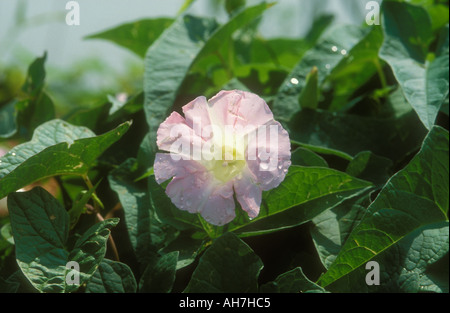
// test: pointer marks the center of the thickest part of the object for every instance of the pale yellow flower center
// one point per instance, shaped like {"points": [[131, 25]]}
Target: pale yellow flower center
{"points": [[230, 166]]}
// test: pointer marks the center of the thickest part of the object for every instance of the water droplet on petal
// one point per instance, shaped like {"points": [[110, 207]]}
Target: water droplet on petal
{"points": [[285, 170]]}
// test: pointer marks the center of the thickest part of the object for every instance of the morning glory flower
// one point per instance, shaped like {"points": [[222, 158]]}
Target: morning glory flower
{"points": [[225, 148]]}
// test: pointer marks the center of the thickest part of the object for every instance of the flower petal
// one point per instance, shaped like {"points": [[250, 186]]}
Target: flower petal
{"points": [[219, 208], [176, 136], [166, 167], [248, 193], [269, 159], [240, 109], [189, 192], [197, 116]]}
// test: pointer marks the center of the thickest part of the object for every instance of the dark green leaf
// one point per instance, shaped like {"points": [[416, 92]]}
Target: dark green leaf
{"points": [[407, 35], [305, 193], [147, 234], [8, 126], [112, 277], [415, 197], [371, 167], [331, 228], [390, 137], [40, 228], [159, 274], [229, 265], [306, 157], [293, 281]]}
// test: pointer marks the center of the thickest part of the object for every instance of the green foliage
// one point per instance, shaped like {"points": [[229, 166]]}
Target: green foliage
{"points": [[40, 228], [366, 109]]}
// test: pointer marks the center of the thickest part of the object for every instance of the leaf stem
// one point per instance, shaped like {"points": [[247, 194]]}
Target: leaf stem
{"points": [[110, 239], [380, 73]]}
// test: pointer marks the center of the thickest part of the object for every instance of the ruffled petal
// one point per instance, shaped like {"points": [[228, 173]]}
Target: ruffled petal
{"points": [[269, 159], [166, 167], [176, 136], [242, 110], [197, 116], [248, 193], [219, 208], [188, 193]]}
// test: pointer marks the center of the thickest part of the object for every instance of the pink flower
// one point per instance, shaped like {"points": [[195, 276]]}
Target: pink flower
{"points": [[229, 145]]}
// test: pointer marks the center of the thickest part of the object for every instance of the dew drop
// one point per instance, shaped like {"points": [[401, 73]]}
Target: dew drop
{"points": [[343, 52], [334, 48], [294, 81], [264, 166], [285, 170], [13, 154], [327, 66]]}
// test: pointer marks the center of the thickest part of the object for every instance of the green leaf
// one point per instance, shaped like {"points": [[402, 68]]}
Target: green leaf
{"points": [[406, 40], [159, 275], [112, 277], [309, 96], [57, 148], [293, 281], [326, 55], [391, 137], [187, 246], [32, 109], [371, 167], [37, 107], [136, 36], [331, 228], [304, 193], [35, 79], [147, 234], [90, 249], [422, 253], [415, 197], [306, 157], [33, 112], [231, 6], [40, 228], [8, 126], [228, 265], [356, 69]]}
